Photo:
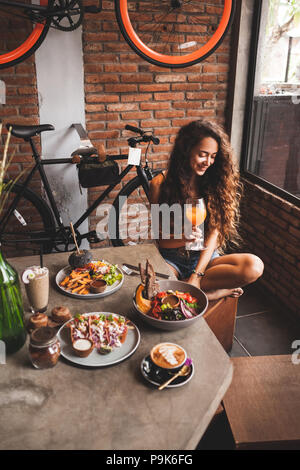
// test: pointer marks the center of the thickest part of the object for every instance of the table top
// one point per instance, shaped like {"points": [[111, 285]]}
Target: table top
{"points": [[263, 402], [71, 407]]}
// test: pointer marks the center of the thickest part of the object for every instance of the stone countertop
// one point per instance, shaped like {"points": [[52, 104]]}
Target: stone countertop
{"points": [[72, 407]]}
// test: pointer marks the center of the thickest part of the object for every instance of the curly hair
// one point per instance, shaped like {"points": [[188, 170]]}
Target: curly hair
{"points": [[220, 185]]}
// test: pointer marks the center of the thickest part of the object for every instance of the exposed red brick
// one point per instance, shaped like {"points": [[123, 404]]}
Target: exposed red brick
{"points": [[270, 228]]}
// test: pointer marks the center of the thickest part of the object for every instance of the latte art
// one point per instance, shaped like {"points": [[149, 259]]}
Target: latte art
{"points": [[168, 355]]}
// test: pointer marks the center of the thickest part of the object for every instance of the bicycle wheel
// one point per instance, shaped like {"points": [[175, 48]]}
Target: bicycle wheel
{"points": [[174, 33], [20, 36], [130, 221], [31, 221]]}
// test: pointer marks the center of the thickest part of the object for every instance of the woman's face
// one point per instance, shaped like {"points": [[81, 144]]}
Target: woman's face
{"points": [[203, 155]]}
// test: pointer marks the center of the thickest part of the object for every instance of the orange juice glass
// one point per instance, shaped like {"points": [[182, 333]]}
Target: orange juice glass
{"points": [[195, 212]]}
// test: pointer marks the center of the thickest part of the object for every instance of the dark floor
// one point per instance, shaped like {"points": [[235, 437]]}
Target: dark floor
{"points": [[263, 328]]}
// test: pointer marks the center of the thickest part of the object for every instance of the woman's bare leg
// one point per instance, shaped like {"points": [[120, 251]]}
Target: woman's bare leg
{"points": [[226, 275]]}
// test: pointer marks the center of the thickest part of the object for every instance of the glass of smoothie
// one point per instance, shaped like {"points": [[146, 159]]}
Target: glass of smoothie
{"points": [[36, 280], [195, 213]]}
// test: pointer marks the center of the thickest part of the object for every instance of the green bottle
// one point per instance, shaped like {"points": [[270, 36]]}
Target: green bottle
{"points": [[12, 329]]}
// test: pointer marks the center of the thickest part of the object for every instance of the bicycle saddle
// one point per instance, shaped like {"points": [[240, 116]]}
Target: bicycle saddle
{"points": [[25, 132]]}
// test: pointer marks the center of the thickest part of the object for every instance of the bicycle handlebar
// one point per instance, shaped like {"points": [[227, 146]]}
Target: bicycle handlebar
{"points": [[134, 129], [132, 141]]}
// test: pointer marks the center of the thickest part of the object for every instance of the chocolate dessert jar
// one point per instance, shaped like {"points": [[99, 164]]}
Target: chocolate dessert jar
{"points": [[44, 348]]}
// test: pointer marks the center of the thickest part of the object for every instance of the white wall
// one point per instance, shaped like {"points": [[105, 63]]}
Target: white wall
{"points": [[60, 82], [242, 72]]}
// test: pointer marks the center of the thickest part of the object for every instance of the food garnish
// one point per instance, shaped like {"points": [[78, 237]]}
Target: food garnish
{"points": [[80, 279], [167, 305], [161, 309], [106, 332], [187, 308]]}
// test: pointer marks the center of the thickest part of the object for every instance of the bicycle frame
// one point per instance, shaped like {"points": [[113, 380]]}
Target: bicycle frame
{"points": [[45, 11], [39, 166]]}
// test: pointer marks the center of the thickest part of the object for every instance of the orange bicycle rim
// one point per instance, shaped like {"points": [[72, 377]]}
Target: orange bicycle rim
{"points": [[27, 45], [177, 60]]}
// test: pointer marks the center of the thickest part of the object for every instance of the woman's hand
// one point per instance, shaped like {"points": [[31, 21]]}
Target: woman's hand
{"points": [[196, 235]]}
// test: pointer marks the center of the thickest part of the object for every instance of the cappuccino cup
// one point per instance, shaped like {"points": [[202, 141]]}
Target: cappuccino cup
{"points": [[168, 356]]}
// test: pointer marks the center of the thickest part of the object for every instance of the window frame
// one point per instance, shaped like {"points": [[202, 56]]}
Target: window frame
{"points": [[276, 190]]}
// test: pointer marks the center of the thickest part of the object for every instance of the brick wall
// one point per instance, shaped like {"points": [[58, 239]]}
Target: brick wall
{"points": [[271, 230], [21, 108], [121, 88]]}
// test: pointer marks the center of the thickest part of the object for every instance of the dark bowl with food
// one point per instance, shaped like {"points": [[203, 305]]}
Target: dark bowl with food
{"points": [[179, 316]]}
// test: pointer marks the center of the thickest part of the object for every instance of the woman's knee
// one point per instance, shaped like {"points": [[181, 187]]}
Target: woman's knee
{"points": [[252, 268]]}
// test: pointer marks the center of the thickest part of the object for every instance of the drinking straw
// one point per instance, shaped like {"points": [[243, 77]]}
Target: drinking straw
{"points": [[74, 236], [41, 256]]}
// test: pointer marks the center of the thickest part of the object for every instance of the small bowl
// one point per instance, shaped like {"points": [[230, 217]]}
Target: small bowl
{"points": [[98, 286], [171, 299], [83, 349], [172, 325]]}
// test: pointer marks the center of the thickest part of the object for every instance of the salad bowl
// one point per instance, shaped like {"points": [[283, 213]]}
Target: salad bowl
{"points": [[172, 325]]}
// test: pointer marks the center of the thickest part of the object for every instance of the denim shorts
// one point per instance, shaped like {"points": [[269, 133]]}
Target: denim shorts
{"points": [[182, 262]]}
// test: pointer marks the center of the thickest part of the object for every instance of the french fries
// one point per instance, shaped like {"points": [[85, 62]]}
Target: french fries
{"points": [[78, 282]]}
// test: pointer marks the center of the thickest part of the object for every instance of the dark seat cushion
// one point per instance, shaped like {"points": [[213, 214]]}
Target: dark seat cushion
{"points": [[25, 132]]}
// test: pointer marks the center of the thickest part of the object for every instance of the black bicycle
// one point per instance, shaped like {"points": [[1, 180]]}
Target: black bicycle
{"points": [[29, 224], [167, 33]]}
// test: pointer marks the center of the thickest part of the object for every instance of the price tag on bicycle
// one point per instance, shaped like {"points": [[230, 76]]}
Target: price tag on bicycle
{"points": [[134, 156]]}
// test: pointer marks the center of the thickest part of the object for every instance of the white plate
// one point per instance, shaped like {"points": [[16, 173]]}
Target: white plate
{"points": [[96, 359], [108, 291]]}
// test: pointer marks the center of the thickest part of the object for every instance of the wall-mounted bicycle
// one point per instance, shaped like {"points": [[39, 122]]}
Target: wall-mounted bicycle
{"points": [[167, 33], [29, 223]]}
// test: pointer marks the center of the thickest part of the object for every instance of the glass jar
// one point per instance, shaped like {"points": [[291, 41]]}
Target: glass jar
{"points": [[12, 329], [44, 348]]}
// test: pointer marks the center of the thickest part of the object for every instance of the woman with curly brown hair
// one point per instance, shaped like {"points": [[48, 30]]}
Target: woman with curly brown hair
{"points": [[201, 166]]}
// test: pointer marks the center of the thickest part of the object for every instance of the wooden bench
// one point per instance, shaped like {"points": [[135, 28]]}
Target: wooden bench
{"points": [[220, 317], [263, 403]]}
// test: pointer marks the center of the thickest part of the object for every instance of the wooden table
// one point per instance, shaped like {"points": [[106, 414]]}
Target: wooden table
{"points": [[263, 403], [69, 407]]}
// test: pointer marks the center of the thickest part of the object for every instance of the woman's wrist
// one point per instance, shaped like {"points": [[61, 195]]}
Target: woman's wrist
{"points": [[198, 273]]}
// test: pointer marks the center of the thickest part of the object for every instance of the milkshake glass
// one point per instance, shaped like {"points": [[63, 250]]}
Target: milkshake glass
{"points": [[36, 280]]}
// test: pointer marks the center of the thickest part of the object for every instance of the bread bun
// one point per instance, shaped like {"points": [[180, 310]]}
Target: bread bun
{"points": [[61, 314], [37, 320], [79, 260]]}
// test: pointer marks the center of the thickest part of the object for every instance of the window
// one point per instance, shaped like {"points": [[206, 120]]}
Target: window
{"points": [[272, 125]]}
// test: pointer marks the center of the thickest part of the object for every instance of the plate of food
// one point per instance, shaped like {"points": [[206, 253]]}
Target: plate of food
{"points": [[93, 280], [98, 339], [168, 305]]}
